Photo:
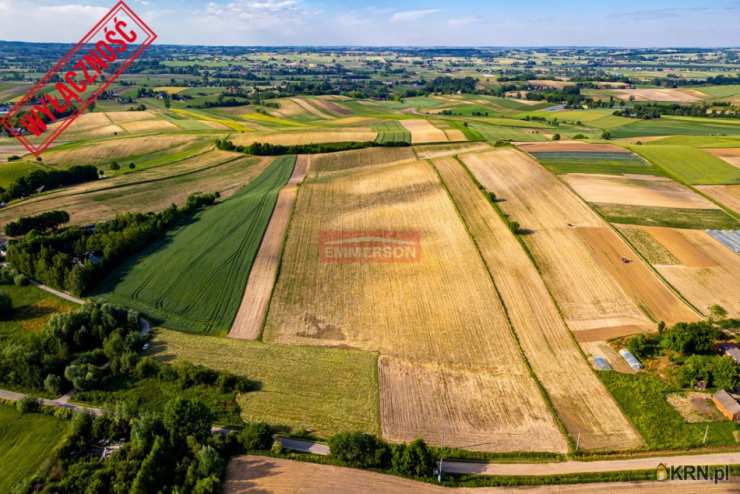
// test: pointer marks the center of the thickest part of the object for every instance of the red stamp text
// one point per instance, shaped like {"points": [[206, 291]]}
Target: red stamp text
{"points": [[378, 246], [82, 75]]}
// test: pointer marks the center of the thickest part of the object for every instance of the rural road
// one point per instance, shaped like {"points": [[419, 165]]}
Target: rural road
{"points": [[558, 468], [58, 293], [62, 402]]}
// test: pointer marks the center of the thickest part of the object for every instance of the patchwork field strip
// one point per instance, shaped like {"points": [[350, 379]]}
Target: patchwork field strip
{"points": [[708, 271], [308, 137], [636, 190], [582, 402], [570, 147], [729, 155], [727, 195], [449, 360], [310, 108], [668, 95], [194, 279], [251, 315], [591, 272], [423, 131]]}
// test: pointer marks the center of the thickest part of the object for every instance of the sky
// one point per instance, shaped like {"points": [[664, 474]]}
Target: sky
{"points": [[625, 23]]}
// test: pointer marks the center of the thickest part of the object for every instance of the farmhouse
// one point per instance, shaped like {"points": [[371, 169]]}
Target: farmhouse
{"points": [[727, 405], [731, 351]]}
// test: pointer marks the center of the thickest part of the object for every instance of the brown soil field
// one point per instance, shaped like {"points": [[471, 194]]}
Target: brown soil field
{"points": [[359, 134], [672, 95], [264, 475], [708, 273], [590, 283], [730, 155], [288, 108], [309, 107], [455, 135], [104, 152], [148, 190], [431, 151], [727, 195], [570, 147], [585, 407], [423, 131], [646, 245], [635, 190], [453, 330], [251, 315], [695, 407], [327, 104]]}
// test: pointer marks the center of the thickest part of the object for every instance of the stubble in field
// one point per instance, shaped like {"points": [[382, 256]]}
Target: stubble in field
{"points": [[423, 131]]}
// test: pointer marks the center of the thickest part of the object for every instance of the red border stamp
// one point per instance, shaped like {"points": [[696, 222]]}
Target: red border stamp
{"points": [[79, 78]]}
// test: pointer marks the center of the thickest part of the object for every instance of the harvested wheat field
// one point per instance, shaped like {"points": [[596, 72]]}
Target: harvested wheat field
{"points": [[148, 126], [251, 315], [729, 155], [727, 195], [288, 108], [582, 402], [329, 105], [104, 152], [431, 151], [577, 252], [359, 134], [344, 160], [309, 107], [264, 475], [635, 190], [454, 329], [671, 95], [570, 147], [149, 190], [708, 272], [423, 131]]}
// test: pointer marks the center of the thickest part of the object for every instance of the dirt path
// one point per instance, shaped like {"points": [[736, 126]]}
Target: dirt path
{"points": [[258, 474], [61, 402], [248, 322], [63, 295]]}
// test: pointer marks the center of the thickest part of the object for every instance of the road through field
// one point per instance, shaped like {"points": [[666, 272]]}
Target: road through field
{"points": [[251, 315], [580, 399]]}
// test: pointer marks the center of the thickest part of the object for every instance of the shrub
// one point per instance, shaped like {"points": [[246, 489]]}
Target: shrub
{"points": [[690, 338], [413, 459], [28, 404], [277, 447], [358, 449], [6, 306], [556, 137], [256, 436], [20, 280], [53, 384], [115, 166], [146, 367]]}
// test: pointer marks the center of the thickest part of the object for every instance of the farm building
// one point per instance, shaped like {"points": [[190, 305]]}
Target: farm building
{"points": [[731, 351], [630, 359], [727, 405]]}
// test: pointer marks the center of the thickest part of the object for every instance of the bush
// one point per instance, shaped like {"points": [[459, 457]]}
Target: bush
{"points": [[690, 338], [413, 459], [20, 280], [53, 384], [115, 166], [146, 367], [28, 404], [6, 306], [358, 449], [277, 447], [50, 220], [256, 436]]}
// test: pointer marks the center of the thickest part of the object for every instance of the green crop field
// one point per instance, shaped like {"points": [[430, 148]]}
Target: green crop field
{"points": [[669, 127], [493, 133], [392, 132], [690, 165], [600, 119], [13, 170], [26, 445], [719, 92], [194, 279], [325, 390], [670, 217], [606, 163]]}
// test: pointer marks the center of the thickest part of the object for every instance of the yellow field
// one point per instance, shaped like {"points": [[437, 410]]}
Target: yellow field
{"points": [[148, 190], [636, 190], [292, 138], [672, 95], [727, 195], [170, 89], [582, 260], [449, 359], [707, 272], [585, 407], [345, 160], [430, 151], [423, 131], [105, 152]]}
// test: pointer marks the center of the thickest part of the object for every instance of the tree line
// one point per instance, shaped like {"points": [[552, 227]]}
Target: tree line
{"points": [[267, 149], [48, 180]]}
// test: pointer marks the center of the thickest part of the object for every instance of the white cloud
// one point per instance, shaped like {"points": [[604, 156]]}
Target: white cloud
{"points": [[255, 9], [412, 15], [74, 10], [462, 21]]}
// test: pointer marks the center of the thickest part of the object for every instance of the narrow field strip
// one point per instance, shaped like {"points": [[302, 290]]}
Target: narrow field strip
{"points": [[251, 315], [580, 399], [194, 279]]}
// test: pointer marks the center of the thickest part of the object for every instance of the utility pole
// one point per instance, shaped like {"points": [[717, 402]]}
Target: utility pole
{"points": [[578, 441], [706, 433], [439, 471]]}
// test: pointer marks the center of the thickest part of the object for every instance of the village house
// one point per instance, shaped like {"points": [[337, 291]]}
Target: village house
{"points": [[726, 404]]}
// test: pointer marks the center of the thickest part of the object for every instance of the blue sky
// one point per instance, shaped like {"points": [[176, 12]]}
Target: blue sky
{"points": [[353, 22]]}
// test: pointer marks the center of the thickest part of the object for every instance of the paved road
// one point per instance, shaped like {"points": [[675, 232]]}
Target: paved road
{"points": [[304, 446]]}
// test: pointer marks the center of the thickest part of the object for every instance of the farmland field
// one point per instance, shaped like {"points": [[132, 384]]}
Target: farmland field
{"points": [[392, 132], [727, 195], [668, 127], [582, 403], [449, 360], [671, 217], [595, 162], [578, 254], [32, 309], [423, 131], [690, 165], [26, 442], [293, 138], [194, 279]]}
